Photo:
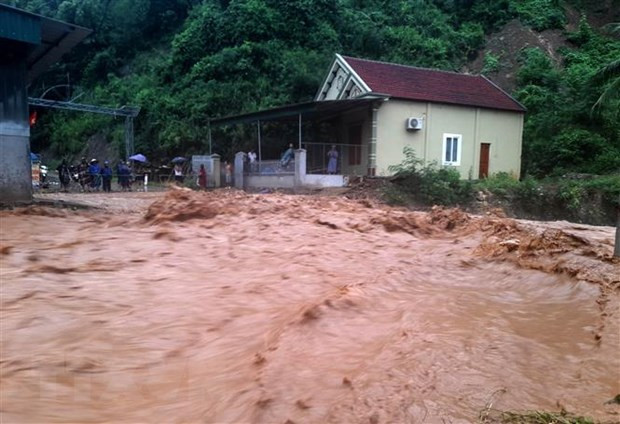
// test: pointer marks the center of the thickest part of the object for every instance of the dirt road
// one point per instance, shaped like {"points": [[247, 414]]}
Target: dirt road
{"points": [[226, 307]]}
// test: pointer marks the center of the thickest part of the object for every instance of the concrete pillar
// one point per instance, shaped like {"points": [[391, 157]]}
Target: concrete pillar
{"points": [[300, 167], [15, 168], [617, 243], [216, 170], [239, 163], [372, 144]]}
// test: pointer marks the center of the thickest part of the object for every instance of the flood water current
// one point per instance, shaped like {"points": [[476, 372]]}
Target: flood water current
{"points": [[237, 308]]}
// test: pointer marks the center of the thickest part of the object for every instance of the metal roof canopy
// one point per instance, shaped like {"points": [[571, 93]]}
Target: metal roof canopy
{"points": [[290, 112], [56, 37]]}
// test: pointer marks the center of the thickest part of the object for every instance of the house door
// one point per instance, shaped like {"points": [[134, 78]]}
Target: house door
{"points": [[485, 148]]}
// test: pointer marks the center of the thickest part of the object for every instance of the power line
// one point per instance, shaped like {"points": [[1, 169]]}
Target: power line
{"points": [[130, 111]]}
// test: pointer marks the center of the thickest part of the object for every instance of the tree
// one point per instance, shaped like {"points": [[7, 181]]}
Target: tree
{"points": [[609, 74]]}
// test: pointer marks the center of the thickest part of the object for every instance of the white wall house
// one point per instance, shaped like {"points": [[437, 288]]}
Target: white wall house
{"points": [[459, 120], [374, 110]]}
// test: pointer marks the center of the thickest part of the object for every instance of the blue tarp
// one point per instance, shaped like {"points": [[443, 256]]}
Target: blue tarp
{"points": [[34, 157]]}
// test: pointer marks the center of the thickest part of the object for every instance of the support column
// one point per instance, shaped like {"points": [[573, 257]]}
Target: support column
{"points": [[372, 144], [427, 131], [15, 167], [239, 164], [300, 167], [617, 243], [216, 170], [260, 155], [299, 147], [476, 145]]}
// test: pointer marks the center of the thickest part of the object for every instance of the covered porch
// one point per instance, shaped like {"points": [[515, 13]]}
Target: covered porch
{"points": [[312, 127]]}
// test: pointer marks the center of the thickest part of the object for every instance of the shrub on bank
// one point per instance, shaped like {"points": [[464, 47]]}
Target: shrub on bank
{"points": [[535, 417], [428, 184], [579, 198]]}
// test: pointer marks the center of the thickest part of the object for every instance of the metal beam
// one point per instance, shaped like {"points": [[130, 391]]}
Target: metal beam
{"points": [[128, 111]]}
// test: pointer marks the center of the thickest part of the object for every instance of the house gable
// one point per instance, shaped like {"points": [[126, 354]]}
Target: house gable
{"points": [[351, 77], [341, 82]]}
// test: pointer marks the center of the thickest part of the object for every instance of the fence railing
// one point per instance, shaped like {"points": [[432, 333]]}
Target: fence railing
{"points": [[317, 160], [269, 167]]}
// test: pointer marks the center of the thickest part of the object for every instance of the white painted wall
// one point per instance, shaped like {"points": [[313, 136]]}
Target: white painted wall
{"points": [[324, 180], [270, 181], [502, 129]]}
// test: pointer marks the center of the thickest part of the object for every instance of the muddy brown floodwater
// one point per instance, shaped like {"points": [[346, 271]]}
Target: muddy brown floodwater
{"points": [[225, 307]]}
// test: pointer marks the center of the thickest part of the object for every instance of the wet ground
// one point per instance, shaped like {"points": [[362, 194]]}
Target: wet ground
{"points": [[226, 307]]}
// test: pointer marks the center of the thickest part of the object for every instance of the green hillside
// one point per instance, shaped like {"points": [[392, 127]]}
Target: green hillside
{"points": [[183, 61]]}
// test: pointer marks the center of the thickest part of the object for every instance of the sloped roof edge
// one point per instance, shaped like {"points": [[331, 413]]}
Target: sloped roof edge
{"points": [[57, 38], [433, 85]]}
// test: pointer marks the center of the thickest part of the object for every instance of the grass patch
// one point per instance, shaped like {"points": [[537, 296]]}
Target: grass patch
{"points": [[537, 417]]}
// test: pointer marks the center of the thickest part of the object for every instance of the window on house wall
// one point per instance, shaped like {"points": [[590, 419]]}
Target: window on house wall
{"points": [[452, 146], [355, 145]]}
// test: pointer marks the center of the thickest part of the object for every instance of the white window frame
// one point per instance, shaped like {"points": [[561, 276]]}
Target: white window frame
{"points": [[459, 149]]}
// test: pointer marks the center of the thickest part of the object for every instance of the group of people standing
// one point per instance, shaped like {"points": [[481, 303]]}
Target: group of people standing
{"points": [[93, 177]]}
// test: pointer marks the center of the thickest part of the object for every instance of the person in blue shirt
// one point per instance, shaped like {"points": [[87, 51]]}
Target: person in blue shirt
{"points": [[94, 170], [124, 175], [106, 176], [332, 165], [287, 156]]}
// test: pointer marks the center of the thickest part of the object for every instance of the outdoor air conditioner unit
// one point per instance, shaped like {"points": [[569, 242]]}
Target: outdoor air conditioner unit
{"points": [[414, 123]]}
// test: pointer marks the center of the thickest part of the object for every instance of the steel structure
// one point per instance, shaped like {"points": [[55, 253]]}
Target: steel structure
{"points": [[29, 44], [128, 112]]}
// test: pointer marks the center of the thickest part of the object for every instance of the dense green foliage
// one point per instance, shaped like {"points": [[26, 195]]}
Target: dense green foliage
{"points": [[184, 61], [562, 133]]}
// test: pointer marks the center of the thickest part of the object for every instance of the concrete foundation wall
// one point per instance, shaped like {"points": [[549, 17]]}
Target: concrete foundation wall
{"points": [[296, 180], [269, 181], [15, 169], [322, 180]]}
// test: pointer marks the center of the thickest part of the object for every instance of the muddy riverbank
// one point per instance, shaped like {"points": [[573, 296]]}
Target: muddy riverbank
{"points": [[228, 307]]}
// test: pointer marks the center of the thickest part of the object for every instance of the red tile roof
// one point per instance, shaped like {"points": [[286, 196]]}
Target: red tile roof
{"points": [[409, 82]]}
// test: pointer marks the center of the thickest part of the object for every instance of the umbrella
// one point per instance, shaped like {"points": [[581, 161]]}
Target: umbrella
{"points": [[138, 158], [178, 159], [34, 157]]}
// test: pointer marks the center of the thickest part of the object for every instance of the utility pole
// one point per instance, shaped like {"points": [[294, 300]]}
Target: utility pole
{"points": [[617, 245]]}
